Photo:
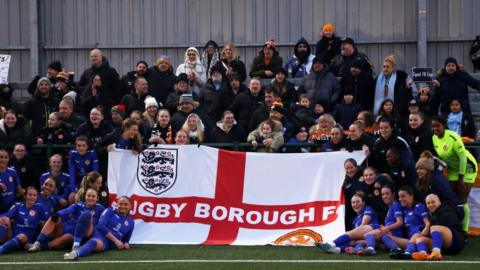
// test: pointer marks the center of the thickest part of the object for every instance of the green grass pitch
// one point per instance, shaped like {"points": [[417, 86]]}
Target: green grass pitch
{"points": [[181, 257]]}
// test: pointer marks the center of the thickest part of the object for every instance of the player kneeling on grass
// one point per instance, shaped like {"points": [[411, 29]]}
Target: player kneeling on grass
{"points": [[365, 222], [446, 232], [72, 223], [19, 224], [114, 230]]}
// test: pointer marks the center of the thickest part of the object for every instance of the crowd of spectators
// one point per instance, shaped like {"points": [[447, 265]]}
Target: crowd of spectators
{"points": [[341, 103]]}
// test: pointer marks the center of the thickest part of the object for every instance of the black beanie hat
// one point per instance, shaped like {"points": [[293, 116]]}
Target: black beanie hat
{"points": [[182, 77], [450, 60], [55, 65]]}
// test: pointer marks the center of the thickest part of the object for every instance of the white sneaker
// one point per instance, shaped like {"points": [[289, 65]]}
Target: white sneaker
{"points": [[75, 246], [35, 247], [27, 246], [70, 256], [329, 248]]}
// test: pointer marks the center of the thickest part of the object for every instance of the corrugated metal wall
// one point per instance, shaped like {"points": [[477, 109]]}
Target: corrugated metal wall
{"points": [[129, 30]]}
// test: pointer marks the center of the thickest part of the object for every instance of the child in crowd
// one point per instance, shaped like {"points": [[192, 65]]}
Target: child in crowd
{"points": [[303, 114], [268, 135], [459, 121]]}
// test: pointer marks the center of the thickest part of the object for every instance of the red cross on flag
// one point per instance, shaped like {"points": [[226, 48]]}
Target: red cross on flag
{"points": [[202, 195]]}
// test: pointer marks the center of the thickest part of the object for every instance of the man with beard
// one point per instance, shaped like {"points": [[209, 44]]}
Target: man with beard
{"points": [[341, 62], [38, 108], [329, 45], [128, 80], [52, 71], [301, 62]]}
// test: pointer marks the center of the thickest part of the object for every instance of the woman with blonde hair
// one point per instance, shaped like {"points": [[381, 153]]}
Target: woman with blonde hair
{"points": [[91, 180], [230, 62], [150, 113], [393, 84], [320, 133], [194, 128]]}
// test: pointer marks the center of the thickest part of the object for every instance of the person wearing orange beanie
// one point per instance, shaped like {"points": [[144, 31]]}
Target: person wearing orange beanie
{"points": [[329, 45]]}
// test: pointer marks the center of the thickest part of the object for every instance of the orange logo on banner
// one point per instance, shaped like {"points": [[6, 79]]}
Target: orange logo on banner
{"points": [[302, 237]]}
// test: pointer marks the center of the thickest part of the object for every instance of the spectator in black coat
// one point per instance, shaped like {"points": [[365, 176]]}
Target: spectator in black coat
{"points": [[262, 112], [28, 171], [128, 80], [65, 86], [56, 131], [279, 113], [268, 61], [425, 102], [358, 139], [6, 101], [388, 138], [187, 106], [284, 89], [110, 77], [161, 132], [361, 83], [418, 134], [14, 129], [346, 112], [95, 94], [67, 114], [53, 69], [350, 186], [342, 62], [161, 79], [38, 108], [230, 63], [182, 87], [136, 100], [96, 128], [302, 113], [402, 171], [210, 93], [453, 82], [329, 45], [246, 103], [337, 140], [393, 84], [227, 95]]}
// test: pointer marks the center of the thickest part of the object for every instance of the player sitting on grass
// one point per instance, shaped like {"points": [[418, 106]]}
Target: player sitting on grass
{"points": [[114, 230], [365, 222]]}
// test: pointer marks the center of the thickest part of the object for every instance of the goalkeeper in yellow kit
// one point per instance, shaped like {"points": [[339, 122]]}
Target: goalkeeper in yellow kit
{"points": [[462, 166]]}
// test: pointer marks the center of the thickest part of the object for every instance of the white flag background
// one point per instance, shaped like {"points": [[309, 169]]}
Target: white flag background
{"points": [[202, 195]]}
